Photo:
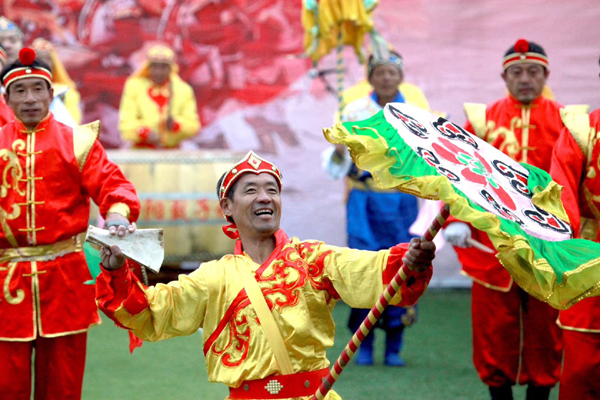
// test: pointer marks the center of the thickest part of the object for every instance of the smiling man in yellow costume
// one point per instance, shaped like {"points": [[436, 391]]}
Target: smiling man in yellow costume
{"points": [[158, 109], [289, 285]]}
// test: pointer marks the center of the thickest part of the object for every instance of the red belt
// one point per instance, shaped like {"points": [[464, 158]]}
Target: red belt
{"points": [[280, 386]]}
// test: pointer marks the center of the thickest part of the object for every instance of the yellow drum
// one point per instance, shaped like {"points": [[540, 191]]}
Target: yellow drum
{"points": [[178, 193]]}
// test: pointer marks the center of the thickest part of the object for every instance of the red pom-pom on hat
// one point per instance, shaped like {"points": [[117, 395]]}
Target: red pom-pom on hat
{"points": [[522, 46], [26, 56]]}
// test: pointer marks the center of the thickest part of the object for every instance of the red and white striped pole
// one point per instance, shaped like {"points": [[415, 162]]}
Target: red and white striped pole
{"points": [[369, 322]]}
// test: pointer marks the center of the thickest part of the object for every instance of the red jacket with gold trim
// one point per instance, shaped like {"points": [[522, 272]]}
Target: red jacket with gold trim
{"points": [[576, 166], [48, 177], [526, 133]]}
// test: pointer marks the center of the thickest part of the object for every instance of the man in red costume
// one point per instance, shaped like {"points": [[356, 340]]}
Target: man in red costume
{"points": [[515, 338], [6, 113], [50, 173], [266, 309], [576, 166]]}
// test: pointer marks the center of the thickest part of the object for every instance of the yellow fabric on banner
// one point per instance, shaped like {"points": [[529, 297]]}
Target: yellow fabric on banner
{"points": [[515, 253]]}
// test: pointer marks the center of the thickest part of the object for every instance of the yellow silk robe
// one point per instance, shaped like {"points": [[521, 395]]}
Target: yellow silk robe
{"points": [[138, 110], [301, 282]]}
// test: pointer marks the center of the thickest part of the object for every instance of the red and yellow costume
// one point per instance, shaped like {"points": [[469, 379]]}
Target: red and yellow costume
{"points": [[515, 338], [146, 106], [576, 166], [301, 281], [50, 174]]}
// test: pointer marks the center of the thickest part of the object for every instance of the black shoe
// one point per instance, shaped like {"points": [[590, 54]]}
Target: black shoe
{"points": [[501, 392], [538, 392]]}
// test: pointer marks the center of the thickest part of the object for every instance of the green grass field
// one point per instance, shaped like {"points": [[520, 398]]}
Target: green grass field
{"points": [[437, 351]]}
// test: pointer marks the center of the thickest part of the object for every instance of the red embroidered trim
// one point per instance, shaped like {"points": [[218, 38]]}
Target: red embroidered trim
{"points": [[316, 270], [285, 294], [226, 319]]}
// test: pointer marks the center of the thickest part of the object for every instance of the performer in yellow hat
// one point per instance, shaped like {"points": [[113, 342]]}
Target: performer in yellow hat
{"points": [[158, 109]]}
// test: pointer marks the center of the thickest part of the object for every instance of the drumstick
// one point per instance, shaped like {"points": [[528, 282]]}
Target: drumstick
{"points": [[480, 246]]}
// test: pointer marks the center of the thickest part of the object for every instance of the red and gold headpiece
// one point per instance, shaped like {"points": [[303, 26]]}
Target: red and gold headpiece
{"points": [[27, 58], [250, 164], [523, 53]]}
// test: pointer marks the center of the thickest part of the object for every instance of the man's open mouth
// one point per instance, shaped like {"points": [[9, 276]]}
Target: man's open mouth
{"points": [[263, 211]]}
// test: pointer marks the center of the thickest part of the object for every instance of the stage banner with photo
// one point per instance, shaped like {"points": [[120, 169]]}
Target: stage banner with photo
{"points": [[517, 205]]}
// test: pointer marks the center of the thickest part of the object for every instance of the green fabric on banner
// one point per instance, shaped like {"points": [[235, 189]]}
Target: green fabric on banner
{"points": [[92, 258], [558, 272]]}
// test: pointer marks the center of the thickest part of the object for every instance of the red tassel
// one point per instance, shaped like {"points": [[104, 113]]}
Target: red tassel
{"points": [[134, 342], [231, 231], [26, 56]]}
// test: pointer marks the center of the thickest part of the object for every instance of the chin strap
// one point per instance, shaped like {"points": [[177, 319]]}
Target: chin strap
{"points": [[231, 231]]}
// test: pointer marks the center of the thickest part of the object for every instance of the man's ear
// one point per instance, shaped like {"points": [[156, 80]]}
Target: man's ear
{"points": [[51, 90], [226, 206], [503, 75], [5, 97]]}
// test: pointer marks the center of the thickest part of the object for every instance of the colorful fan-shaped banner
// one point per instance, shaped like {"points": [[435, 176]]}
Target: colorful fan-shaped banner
{"points": [[517, 205]]}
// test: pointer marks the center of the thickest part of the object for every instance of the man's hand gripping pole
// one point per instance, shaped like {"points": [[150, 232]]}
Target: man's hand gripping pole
{"points": [[369, 322]]}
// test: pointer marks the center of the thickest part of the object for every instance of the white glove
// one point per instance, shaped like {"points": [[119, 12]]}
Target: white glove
{"points": [[457, 234], [337, 168]]}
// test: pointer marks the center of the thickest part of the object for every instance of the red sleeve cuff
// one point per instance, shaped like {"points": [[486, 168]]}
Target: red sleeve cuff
{"points": [[119, 287], [416, 282], [394, 262]]}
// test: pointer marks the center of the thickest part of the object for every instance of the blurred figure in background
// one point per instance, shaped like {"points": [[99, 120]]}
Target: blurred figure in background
{"points": [[66, 105], [11, 38], [6, 114], [515, 337], [158, 109], [377, 218]]}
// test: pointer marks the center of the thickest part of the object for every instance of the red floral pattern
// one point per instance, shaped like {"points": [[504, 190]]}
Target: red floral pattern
{"points": [[475, 168]]}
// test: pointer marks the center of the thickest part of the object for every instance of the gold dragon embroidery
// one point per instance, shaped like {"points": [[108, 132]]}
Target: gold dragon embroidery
{"points": [[11, 176], [509, 145]]}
